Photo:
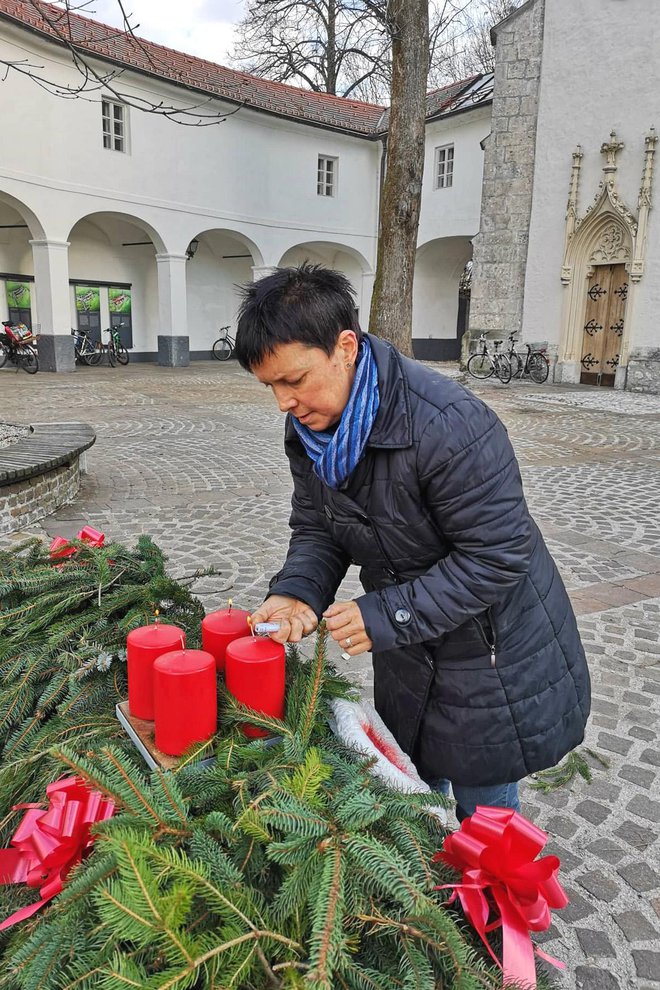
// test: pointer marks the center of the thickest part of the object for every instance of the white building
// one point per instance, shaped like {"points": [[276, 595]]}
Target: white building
{"points": [[575, 114], [109, 214]]}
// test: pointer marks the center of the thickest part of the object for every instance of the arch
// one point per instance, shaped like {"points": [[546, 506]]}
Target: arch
{"points": [[19, 227], [606, 236], [114, 253], [342, 258], [439, 316], [603, 238], [211, 233], [36, 228], [222, 260], [112, 217], [323, 250]]}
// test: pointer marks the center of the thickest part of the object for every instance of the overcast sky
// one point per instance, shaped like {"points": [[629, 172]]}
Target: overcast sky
{"points": [[198, 27]]}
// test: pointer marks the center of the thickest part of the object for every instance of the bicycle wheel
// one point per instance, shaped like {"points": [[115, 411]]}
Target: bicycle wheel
{"points": [[222, 349], [517, 364], [480, 366], [503, 368], [538, 367], [122, 354], [29, 361], [3, 356], [94, 357], [112, 355]]}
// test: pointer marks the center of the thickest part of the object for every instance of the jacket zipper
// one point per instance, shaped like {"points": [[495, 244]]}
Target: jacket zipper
{"points": [[491, 646]]}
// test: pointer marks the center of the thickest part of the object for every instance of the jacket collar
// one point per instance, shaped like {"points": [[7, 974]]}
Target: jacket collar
{"points": [[393, 425]]}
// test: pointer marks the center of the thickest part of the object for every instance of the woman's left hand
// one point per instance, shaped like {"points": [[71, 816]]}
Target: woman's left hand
{"points": [[346, 626]]}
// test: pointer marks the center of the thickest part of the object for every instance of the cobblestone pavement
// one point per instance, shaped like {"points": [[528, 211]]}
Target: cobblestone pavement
{"points": [[194, 457]]}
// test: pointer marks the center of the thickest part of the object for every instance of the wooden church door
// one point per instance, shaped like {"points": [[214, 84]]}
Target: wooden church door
{"points": [[604, 324]]}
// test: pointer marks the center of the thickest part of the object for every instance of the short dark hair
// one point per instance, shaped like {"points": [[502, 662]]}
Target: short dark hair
{"points": [[309, 304]]}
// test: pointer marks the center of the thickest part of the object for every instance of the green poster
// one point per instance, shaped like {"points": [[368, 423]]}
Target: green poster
{"points": [[88, 299], [119, 300], [18, 295]]}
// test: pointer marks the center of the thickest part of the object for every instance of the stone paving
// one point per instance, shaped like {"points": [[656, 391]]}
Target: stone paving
{"points": [[194, 457]]}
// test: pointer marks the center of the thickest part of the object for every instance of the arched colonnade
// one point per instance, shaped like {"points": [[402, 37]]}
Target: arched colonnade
{"points": [[170, 285]]}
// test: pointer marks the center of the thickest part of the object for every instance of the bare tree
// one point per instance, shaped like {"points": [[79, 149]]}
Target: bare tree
{"points": [[342, 47], [93, 82], [328, 46], [470, 50], [401, 194]]}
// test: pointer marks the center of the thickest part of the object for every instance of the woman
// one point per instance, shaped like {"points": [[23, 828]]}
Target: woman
{"points": [[478, 667]]}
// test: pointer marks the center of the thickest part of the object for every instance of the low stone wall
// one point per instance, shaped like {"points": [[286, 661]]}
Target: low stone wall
{"points": [[26, 502], [644, 370], [40, 471]]}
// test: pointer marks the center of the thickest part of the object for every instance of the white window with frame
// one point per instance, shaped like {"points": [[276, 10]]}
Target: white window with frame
{"points": [[326, 179], [115, 125], [443, 175]]}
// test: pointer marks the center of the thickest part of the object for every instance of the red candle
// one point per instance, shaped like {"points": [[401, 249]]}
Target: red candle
{"points": [[221, 628], [255, 672], [185, 697], [143, 646]]}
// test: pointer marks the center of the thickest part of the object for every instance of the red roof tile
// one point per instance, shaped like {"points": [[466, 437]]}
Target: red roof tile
{"points": [[201, 76]]}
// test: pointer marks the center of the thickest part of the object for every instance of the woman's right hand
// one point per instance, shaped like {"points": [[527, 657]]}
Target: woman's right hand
{"points": [[296, 618]]}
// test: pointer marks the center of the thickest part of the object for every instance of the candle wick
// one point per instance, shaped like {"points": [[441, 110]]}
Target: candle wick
{"points": [[156, 617], [229, 605], [251, 625]]}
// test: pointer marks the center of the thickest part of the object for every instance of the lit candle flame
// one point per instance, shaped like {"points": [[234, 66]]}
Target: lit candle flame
{"points": [[229, 605]]}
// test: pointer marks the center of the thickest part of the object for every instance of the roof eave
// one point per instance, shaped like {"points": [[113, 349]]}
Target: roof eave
{"points": [[366, 134], [445, 114]]}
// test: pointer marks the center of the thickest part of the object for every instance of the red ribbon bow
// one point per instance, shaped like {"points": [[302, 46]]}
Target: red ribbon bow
{"points": [[61, 548], [48, 844], [495, 850]]}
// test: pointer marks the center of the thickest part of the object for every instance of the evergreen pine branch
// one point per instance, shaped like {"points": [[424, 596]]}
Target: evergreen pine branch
{"points": [[357, 977], [326, 937], [574, 765], [233, 713], [296, 886], [415, 844], [384, 869], [275, 865], [285, 812], [117, 776], [312, 700], [304, 784]]}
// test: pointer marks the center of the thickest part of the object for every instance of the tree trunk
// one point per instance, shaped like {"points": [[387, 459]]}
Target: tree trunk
{"points": [[331, 61], [391, 304]]}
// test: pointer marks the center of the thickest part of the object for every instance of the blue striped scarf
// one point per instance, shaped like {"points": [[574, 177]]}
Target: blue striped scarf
{"points": [[336, 454]]}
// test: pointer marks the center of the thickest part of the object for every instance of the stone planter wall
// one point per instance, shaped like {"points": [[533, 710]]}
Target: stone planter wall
{"points": [[40, 472], [26, 502]]}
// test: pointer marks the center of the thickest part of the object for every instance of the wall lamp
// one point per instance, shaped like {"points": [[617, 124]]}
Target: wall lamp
{"points": [[191, 250]]}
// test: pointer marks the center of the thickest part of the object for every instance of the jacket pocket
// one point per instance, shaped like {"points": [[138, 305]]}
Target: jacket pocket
{"points": [[486, 627]]}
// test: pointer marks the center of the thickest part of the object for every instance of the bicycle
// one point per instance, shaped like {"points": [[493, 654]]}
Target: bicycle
{"points": [[536, 364], [18, 346], [114, 348], [85, 350], [483, 364], [223, 348]]}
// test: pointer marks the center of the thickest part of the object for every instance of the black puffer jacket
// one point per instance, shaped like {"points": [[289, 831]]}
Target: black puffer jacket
{"points": [[478, 667]]}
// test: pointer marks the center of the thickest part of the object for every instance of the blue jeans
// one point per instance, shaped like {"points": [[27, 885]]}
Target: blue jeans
{"points": [[467, 798]]}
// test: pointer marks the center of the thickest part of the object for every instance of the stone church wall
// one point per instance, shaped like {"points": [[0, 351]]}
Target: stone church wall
{"points": [[500, 249], [600, 74]]}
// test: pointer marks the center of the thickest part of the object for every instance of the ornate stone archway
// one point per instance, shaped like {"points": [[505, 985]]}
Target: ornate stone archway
{"points": [[606, 245]]}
